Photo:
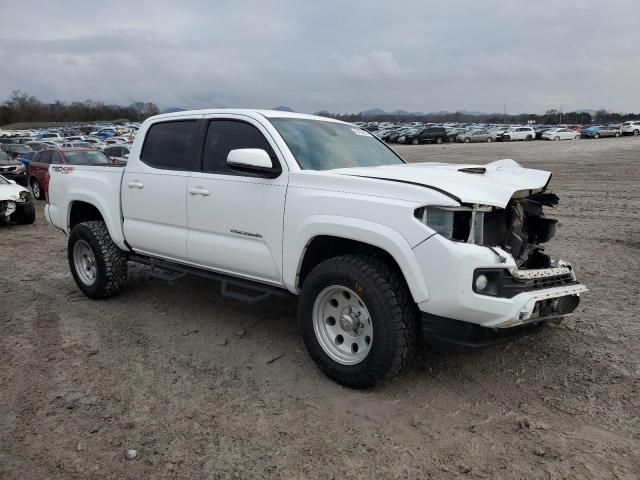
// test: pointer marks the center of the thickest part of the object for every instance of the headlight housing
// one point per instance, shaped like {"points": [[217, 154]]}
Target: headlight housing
{"points": [[21, 168], [462, 224], [24, 197]]}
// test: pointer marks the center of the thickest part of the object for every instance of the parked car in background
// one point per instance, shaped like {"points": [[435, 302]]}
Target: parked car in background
{"points": [[454, 132], [39, 167], [519, 133], [476, 135], [598, 131], [118, 153], [26, 158], [15, 149], [540, 130], [560, 134], [428, 135], [49, 136], [631, 127], [12, 169], [15, 203]]}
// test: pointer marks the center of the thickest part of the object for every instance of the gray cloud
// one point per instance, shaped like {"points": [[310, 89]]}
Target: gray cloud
{"points": [[342, 56]]}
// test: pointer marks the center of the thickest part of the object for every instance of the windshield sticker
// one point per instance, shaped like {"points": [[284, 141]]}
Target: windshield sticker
{"points": [[63, 170], [360, 132]]}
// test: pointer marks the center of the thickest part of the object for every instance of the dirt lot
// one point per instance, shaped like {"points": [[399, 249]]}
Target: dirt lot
{"points": [[206, 387]]}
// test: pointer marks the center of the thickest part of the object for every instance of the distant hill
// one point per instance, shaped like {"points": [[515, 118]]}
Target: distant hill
{"points": [[282, 108], [373, 112]]}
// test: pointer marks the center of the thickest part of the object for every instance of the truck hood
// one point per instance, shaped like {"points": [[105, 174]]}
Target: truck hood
{"points": [[493, 184]]}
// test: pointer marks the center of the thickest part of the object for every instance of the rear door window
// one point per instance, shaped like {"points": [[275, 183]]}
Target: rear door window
{"points": [[171, 146], [45, 157]]}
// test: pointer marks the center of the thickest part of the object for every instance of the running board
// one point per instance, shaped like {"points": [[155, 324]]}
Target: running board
{"points": [[244, 290]]}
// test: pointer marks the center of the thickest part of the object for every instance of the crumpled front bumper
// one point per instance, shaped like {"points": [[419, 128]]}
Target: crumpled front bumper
{"points": [[448, 270]]}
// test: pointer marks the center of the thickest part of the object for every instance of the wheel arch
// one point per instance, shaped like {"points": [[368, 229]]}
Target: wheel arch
{"points": [[326, 240], [84, 209]]}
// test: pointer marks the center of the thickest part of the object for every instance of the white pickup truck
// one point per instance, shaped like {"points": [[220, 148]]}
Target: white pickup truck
{"points": [[380, 252]]}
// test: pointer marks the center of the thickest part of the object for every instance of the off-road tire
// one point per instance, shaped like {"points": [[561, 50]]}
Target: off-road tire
{"points": [[26, 215], [393, 313], [111, 262]]}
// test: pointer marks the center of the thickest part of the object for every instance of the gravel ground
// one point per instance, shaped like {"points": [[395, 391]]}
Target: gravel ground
{"points": [[206, 387]]}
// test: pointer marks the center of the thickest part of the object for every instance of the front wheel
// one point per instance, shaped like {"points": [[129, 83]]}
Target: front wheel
{"points": [[617, 134], [636, 133], [358, 320], [529, 138], [415, 141], [556, 139], [439, 140], [489, 140], [26, 215], [98, 266], [597, 135], [467, 140]]}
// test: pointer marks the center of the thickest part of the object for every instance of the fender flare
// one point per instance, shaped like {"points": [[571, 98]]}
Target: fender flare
{"points": [[89, 197], [364, 231]]}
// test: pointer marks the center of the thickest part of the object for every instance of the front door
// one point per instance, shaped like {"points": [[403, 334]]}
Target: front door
{"points": [[236, 218]]}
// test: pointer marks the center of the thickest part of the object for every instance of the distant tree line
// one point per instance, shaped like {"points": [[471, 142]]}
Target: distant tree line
{"points": [[22, 107], [550, 117]]}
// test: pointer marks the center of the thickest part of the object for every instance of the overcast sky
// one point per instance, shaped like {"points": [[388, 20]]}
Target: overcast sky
{"points": [[344, 56]]}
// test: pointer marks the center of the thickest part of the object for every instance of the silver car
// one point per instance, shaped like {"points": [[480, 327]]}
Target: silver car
{"points": [[476, 135]]}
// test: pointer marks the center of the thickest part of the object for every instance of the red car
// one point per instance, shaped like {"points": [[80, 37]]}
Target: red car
{"points": [[39, 166]]}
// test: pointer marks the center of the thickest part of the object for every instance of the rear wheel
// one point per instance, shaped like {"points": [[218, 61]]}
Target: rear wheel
{"points": [[636, 132], [98, 266], [467, 140], [577, 137], [415, 141], [529, 138], [506, 138], [358, 320], [597, 135], [438, 140], [555, 139], [37, 190], [489, 140], [617, 134]]}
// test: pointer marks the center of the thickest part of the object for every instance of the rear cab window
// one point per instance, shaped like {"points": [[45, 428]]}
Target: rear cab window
{"points": [[171, 145]]}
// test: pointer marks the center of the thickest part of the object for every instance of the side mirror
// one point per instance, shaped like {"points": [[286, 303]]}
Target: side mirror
{"points": [[252, 160]]}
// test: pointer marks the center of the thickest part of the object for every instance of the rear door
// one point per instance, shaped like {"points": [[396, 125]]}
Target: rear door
{"points": [[40, 165], [235, 217], [154, 190]]}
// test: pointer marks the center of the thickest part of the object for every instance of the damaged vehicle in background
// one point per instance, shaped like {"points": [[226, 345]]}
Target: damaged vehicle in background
{"points": [[13, 169], [15, 203], [381, 253]]}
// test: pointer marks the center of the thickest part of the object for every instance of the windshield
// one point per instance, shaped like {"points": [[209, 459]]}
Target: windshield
{"points": [[4, 157], [319, 145], [87, 158], [3, 181]]}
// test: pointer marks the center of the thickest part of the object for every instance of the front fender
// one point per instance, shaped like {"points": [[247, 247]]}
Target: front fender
{"points": [[364, 231]]}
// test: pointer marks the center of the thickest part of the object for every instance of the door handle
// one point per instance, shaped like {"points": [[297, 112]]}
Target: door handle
{"points": [[199, 191], [135, 184]]}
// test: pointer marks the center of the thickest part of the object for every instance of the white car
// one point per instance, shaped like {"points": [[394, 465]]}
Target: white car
{"points": [[519, 133], [15, 203], [274, 203], [560, 134], [630, 127]]}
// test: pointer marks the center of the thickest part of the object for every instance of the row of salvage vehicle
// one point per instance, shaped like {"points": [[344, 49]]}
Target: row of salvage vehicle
{"points": [[417, 133]]}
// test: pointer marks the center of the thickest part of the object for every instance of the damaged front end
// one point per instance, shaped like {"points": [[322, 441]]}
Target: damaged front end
{"points": [[521, 228]]}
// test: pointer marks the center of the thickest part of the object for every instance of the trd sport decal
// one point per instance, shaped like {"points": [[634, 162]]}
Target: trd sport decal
{"points": [[63, 170]]}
